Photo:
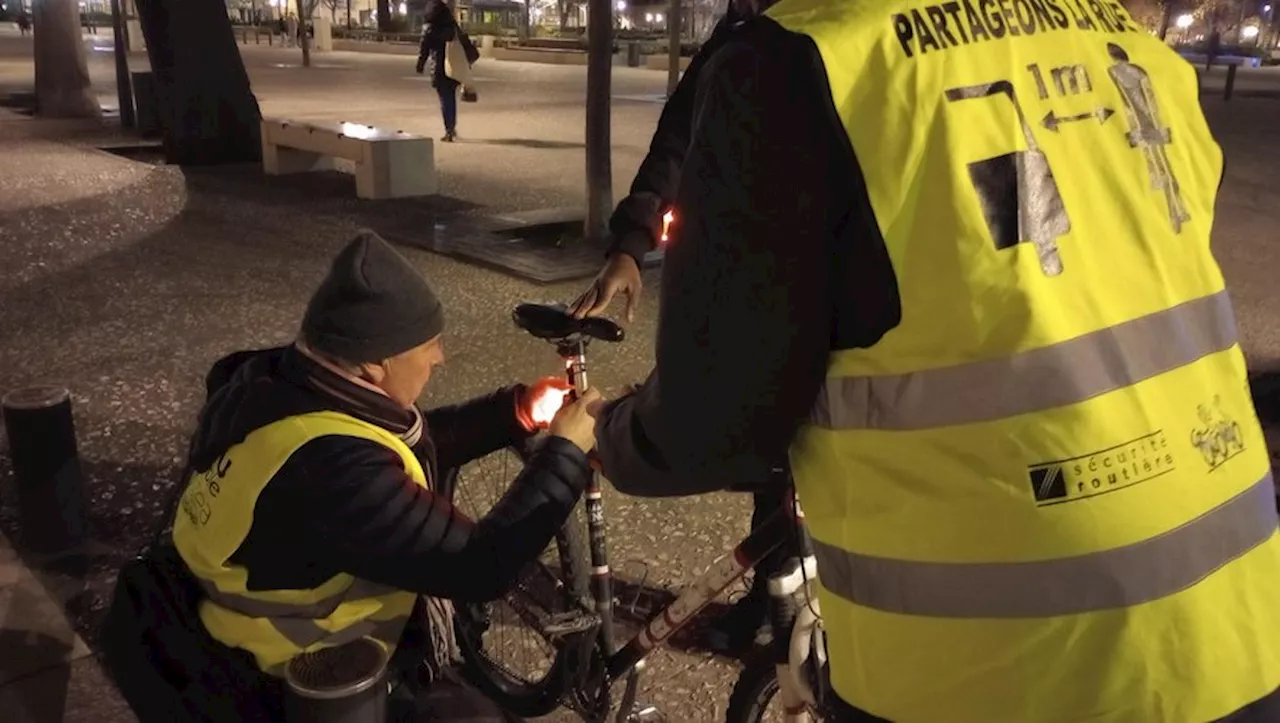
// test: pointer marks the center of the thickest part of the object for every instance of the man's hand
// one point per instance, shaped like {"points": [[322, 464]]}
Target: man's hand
{"points": [[540, 402], [577, 422], [621, 274]]}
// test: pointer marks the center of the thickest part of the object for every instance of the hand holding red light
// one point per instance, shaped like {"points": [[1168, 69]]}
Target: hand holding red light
{"points": [[541, 401], [544, 408]]}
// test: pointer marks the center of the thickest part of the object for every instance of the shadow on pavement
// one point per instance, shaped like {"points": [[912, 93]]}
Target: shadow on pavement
{"points": [[524, 143], [39, 695], [125, 504], [638, 603]]}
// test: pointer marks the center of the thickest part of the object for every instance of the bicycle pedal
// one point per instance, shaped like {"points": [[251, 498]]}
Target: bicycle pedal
{"points": [[646, 714], [562, 624]]}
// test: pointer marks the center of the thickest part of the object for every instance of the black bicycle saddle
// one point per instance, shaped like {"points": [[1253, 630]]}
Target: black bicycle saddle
{"points": [[554, 322]]}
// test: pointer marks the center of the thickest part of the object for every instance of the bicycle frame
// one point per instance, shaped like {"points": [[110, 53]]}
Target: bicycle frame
{"points": [[628, 660]]}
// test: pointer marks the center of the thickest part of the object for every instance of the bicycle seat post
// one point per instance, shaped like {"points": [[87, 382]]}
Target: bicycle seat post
{"points": [[574, 353]]}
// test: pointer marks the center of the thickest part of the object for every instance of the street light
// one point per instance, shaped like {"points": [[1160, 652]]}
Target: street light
{"points": [[622, 5], [648, 17], [658, 17], [1249, 31], [1184, 21]]}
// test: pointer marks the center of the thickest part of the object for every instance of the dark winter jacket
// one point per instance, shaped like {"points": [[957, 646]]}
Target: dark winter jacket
{"points": [[636, 223], [346, 505], [436, 36], [776, 261]]}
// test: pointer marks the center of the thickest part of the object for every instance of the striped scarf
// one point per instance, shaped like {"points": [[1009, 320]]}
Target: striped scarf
{"points": [[368, 403]]}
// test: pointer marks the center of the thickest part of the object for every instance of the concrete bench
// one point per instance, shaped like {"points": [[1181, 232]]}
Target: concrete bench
{"points": [[388, 164]]}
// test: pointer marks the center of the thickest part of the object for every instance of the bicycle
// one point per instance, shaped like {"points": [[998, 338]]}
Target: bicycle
{"points": [[568, 602]]}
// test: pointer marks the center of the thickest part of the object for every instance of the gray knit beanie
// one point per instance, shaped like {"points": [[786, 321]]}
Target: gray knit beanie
{"points": [[373, 305]]}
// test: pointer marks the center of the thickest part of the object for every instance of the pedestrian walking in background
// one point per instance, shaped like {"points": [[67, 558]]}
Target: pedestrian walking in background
{"points": [[449, 53]]}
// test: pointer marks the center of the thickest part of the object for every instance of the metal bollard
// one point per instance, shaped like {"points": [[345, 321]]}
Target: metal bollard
{"points": [[1231, 82], [345, 684], [46, 468], [633, 54]]}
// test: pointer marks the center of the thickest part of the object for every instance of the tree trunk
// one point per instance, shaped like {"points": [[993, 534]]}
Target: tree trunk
{"points": [[599, 159], [124, 87], [208, 112], [1165, 18], [63, 89], [304, 39], [384, 16], [673, 47]]}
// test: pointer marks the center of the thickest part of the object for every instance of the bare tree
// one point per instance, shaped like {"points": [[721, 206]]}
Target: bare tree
{"points": [[208, 112], [1150, 13], [706, 13], [567, 8], [333, 8], [533, 8], [305, 10], [599, 158], [384, 16], [63, 89]]}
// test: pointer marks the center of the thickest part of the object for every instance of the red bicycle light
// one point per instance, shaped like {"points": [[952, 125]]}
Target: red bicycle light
{"points": [[543, 409], [668, 219]]}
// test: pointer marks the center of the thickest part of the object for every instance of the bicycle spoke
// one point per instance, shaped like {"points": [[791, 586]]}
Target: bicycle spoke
{"points": [[515, 640]]}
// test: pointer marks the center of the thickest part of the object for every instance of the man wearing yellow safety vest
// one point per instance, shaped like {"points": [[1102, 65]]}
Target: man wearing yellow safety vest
{"points": [[952, 257], [311, 516]]}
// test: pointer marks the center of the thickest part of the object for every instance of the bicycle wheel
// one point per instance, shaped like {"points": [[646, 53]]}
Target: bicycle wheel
{"points": [[755, 696], [507, 650]]}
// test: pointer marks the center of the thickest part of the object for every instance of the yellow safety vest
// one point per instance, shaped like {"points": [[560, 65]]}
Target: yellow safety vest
{"points": [[1044, 496], [215, 517]]}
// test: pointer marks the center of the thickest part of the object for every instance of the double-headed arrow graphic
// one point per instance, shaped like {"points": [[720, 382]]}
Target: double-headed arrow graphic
{"points": [[1052, 121]]}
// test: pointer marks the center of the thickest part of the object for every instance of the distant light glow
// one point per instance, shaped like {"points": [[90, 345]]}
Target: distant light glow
{"points": [[658, 17], [1249, 31], [1184, 21], [648, 17], [404, 8], [359, 130], [622, 5]]}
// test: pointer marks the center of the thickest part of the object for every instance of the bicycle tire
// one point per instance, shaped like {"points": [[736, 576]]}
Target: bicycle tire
{"points": [[537, 694], [756, 687]]}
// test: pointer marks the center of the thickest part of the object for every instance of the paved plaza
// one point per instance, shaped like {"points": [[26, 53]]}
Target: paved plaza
{"points": [[124, 280]]}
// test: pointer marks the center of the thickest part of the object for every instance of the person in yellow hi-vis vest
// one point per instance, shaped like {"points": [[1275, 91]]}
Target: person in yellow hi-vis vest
{"points": [[311, 517], [952, 259]]}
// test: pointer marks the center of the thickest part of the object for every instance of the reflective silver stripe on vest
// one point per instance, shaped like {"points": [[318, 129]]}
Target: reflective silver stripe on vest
{"points": [[305, 633], [255, 608], [297, 623], [1065, 373], [1122, 577]]}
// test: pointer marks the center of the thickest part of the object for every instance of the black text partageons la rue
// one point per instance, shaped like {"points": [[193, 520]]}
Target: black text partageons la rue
{"points": [[961, 22]]}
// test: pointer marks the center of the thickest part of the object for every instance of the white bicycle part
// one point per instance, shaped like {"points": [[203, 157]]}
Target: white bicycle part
{"points": [[804, 642]]}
